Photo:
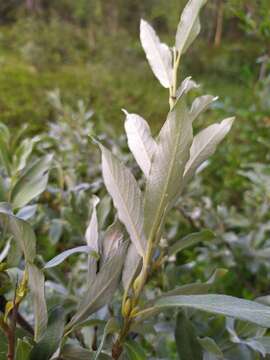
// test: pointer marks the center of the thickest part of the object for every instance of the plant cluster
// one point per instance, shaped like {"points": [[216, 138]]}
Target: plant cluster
{"points": [[95, 308]]}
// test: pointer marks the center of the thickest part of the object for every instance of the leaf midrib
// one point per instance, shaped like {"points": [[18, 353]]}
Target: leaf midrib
{"points": [[157, 51], [127, 212]]}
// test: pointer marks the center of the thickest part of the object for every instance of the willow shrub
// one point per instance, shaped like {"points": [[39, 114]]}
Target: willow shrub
{"points": [[125, 256]]}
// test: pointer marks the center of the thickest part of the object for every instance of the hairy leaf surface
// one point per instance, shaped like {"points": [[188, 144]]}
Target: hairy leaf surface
{"points": [[126, 195], [101, 289], [205, 144], [140, 141], [173, 146], [189, 25], [158, 54]]}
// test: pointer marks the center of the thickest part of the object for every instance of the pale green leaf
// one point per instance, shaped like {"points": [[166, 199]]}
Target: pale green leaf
{"points": [[204, 145], [191, 240], [140, 141], [158, 54], [194, 32], [36, 285], [21, 230], [100, 289], [58, 259], [197, 287], [168, 165], [113, 236], [92, 238], [126, 195], [189, 25], [27, 212], [221, 304], [31, 183], [132, 266], [200, 104]]}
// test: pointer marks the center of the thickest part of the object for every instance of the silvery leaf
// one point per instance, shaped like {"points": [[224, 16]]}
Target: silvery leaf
{"points": [[32, 182], [158, 54], [173, 145], [189, 25], [126, 195], [132, 265], [27, 212], [205, 144], [197, 287], [36, 285], [113, 237], [100, 289], [221, 304], [21, 230], [92, 238], [58, 259], [186, 85], [200, 104], [140, 141]]}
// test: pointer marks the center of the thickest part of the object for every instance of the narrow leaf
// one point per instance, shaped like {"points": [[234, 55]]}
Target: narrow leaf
{"points": [[101, 288], [65, 254], [168, 165], [197, 287], [205, 144], [158, 54], [21, 230], [27, 212], [36, 285], [91, 234], [189, 25], [187, 345], [92, 239], [221, 304], [200, 104], [186, 85], [132, 265], [191, 240], [51, 338], [113, 237], [140, 141], [126, 196], [32, 182], [110, 328]]}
